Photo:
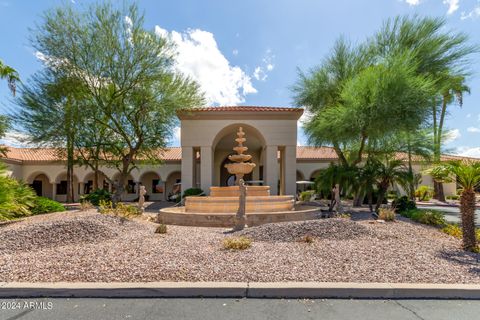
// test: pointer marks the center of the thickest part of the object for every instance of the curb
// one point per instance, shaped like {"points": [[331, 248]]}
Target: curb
{"points": [[343, 290]]}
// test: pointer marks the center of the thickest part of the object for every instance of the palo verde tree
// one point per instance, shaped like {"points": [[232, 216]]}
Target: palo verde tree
{"points": [[51, 112], [129, 76]]}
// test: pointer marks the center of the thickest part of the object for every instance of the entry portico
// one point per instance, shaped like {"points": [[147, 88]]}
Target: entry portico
{"points": [[206, 142]]}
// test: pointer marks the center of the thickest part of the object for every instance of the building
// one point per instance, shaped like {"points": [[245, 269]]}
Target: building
{"points": [[207, 138]]}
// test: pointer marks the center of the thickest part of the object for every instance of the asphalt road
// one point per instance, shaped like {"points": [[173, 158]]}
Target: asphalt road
{"points": [[227, 309], [452, 214]]}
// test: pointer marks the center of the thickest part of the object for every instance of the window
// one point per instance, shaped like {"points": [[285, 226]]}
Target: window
{"points": [[62, 187], [87, 188], [130, 186], [157, 186]]}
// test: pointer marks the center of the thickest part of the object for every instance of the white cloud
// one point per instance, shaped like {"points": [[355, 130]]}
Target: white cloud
{"points": [[235, 52], [452, 135], [200, 58], [177, 133], [413, 2], [469, 115], [473, 129], [260, 72], [472, 14], [304, 118], [469, 152], [15, 139], [452, 5]]}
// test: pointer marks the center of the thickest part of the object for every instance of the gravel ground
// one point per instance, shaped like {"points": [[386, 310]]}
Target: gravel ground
{"points": [[87, 246]]}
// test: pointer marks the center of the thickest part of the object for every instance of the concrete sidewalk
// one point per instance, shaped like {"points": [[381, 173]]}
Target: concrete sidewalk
{"points": [[239, 290]]}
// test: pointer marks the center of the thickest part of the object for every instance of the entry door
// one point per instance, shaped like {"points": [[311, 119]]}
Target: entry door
{"points": [[37, 186]]}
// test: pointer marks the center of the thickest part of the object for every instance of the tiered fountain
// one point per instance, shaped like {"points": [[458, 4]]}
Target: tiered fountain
{"points": [[221, 208]]}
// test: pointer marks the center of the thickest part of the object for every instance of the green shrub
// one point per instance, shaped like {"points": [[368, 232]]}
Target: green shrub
{"points": [[192, 192], [16, 198], [426, 216], [96, 196], [45, 205], [391, 195], [306, 195], [386, 214], [424, 193], [403, 204], [453, 197], [237, 243]]}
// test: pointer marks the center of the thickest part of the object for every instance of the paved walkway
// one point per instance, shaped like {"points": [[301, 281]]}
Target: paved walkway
{"points": [[452, 214], [229, 309]]}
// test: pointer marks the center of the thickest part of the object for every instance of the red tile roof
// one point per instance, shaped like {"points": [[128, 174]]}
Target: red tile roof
{"points": [[175, 154], [243, 108]]}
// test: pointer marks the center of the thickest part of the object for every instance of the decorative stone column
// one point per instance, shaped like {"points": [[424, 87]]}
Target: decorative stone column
{"points": [[206, 166], [271, 168], [54, 190], [290, 170], [187, 167]]}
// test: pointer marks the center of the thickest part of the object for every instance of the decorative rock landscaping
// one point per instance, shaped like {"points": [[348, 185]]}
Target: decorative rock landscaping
{"points": [[87, 246]]}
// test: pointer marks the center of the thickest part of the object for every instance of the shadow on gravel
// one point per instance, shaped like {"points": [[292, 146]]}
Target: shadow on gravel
{"points": [[470, 259]]}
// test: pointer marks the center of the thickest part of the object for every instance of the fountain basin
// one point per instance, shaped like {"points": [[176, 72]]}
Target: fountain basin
{"points": [[234, 191], [230, 204], [178, 216]]}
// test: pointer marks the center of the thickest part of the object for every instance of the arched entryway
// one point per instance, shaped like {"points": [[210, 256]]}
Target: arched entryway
{"points": [[223, 147], [172, 184], [61, 187], [88, 182], [41, 184], [153, 185]]}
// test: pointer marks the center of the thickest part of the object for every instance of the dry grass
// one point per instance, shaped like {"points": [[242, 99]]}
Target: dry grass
{"points": [[386, 214], [237, 243], [162, 229]]}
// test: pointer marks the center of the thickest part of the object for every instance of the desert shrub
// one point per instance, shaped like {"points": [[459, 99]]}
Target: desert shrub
{"points": [[96, 196], [403, 204], [45, 205], [453, 230], [344, 215], [392, 194], [428, 216], [306, 195], [307, 239], [161, 229], [477, 233], [453, 197], [237, 243], [424, 193], [16, 198], [386, 214], [86, 205], [120, 210], [192, 192]]}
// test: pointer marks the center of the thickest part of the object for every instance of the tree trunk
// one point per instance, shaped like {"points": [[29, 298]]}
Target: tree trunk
{"points": [[119, 188], [381, 195], [95, 178], [358, 199], [70, 193], [338, 203], [467, 209], [438, 191], [370, 200], [240, 218]]}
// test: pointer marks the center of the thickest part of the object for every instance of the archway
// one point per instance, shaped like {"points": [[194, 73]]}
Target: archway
{"points": [[172, 184], [41, 184], [223, 144], [88, 182], [153, 185], [61, 187]]}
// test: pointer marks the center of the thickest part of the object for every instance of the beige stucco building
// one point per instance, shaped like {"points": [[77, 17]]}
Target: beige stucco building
{"points": [[207, 138]]}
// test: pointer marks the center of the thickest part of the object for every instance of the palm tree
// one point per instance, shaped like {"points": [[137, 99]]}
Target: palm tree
{"points": [[468, 177], [7, 72], [389, 172]]}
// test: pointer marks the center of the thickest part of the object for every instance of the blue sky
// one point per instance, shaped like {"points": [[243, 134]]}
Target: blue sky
{"points": [[247, 52]]}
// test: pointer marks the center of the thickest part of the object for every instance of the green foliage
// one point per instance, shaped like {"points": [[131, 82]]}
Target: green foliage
{"points": [[7, 72], [45, 205], [16, 198], [306, 195], [426, 216], [96, 196], [237, 243], [403, 204], [192, 192], [424, 193], [453, 197]]}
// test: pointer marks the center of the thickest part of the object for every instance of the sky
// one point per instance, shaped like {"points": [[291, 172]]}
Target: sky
{"points": [[249, 52]]}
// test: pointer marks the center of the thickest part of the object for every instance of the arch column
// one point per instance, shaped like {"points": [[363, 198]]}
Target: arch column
{"points": [[290, 170], [187, 167], [271, 168], [206, 168]]}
